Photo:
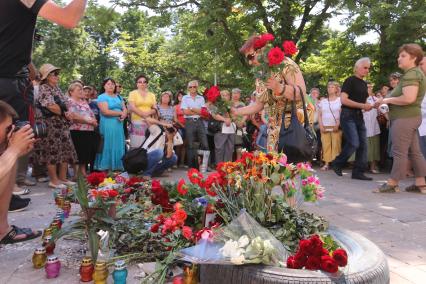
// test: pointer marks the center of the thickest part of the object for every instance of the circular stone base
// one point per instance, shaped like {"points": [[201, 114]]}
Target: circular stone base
{"points": [[366, 264]]}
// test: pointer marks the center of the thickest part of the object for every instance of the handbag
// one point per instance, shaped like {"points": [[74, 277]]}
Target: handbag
{"points": [[177, 139], [136, 160], [214, 126], [297, 141]]}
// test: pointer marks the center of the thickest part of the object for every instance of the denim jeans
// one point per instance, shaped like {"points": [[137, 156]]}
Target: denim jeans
{"points": [[353, 127], [158, 163]]}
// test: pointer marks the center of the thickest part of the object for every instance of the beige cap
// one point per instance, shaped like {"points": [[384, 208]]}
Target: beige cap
{"points": [[46, 69]]}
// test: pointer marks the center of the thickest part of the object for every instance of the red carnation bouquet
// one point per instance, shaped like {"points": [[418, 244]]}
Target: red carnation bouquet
{"points": [[313, 255], [271, 57]]}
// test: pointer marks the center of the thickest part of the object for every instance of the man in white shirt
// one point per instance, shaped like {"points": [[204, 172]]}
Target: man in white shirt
{"points": [[422, 128], [195, 130]]}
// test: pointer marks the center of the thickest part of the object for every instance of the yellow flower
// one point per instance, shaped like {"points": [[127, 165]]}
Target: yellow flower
{"points": [[107, 181]]}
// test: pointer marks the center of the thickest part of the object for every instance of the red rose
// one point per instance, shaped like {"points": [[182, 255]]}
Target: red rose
{"points": [[263, 40], [112, 193], [341, 257], [155, 227], [313, 263], [290, 262], [300, 260], [195, 176], [289, 47], [268, 37], [317, 245], [328, 264], [325, 251], [181, 187], [275, 56], [160, 218], [305, 247], [155, 184], [205, 113], [187, 232], [212, 94], [133, 180]]}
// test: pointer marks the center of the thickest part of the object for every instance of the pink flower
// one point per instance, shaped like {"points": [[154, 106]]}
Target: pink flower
{"points": [[283, 160]]}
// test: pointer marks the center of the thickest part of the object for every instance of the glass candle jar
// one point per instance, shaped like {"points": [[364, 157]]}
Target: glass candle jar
{"points": [[100, 274], [53, 267], [39, 257], [86, 269], [120, 272]]}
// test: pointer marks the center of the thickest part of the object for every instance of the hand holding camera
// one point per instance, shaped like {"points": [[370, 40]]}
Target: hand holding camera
{"points": [[21, 140]]}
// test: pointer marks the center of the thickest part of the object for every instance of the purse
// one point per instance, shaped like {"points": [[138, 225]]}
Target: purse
{"points": [[297, 141], [214, 126], [136, 160]]}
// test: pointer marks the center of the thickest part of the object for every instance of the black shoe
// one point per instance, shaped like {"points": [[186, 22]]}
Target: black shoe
{"points": [[361, 177], [336, 169], [17, 204], [17, 197]]}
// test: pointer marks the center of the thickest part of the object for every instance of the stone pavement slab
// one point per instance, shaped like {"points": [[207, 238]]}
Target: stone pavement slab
{"points": [[395, 222]]}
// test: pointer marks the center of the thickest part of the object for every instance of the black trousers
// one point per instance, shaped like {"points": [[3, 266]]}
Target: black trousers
{"points": [[197, 140]]}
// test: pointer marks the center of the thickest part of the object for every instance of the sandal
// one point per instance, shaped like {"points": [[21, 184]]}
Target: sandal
{"points": [[22, 191], [416, 188], [10, 237], [386, 188]]}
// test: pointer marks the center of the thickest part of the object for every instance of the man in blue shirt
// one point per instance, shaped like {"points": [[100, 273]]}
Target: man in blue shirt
{"points": [[195, 130]]}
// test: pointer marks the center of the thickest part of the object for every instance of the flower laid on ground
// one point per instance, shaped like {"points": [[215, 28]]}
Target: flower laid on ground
{"points": [[96, 178], [312, 255]]}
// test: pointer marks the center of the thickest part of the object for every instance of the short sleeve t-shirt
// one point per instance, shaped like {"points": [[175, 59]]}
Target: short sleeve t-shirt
{"points": [[189, 102], [356, 89], [412, 77], [17, 24], [143, 103]]}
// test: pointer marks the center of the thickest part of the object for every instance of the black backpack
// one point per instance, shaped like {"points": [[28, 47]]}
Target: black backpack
{"points": [[136, 160]]}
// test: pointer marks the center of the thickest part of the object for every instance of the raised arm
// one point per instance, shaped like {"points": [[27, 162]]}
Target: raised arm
{"points": [[68, 16], [247, 110]]}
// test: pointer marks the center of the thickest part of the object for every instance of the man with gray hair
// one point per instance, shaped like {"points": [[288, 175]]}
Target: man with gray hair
{"points": [[354, 96], [195, 130]]}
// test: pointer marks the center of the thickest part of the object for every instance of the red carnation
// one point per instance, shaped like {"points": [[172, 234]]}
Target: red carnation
{"points": [[112, 193], [212, 94], [328, 264], [275, 56], [341, 257], [155, 184], [179, 216], [290, 262], [313, 263], [155, 227], [181, 187], [96, 178], [187, 232], [289, 47], [195, 176]]}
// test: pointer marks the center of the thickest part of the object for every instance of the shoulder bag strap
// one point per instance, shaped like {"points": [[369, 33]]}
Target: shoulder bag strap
{"points": [[156, 138], [293, 107], [305, 112]]}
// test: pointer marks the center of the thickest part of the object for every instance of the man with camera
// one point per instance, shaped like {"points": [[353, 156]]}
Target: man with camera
{"points": [[14, 143]]}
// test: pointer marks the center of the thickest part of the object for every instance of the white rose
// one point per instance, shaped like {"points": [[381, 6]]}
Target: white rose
{"points": [[238, 260], [243, 241]]}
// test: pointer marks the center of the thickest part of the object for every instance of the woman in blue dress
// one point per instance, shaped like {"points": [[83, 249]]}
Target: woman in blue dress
{"points": [[113, 111]]}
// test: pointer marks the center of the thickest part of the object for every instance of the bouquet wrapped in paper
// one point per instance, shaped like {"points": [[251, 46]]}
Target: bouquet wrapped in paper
{"points": [[243, 241]]}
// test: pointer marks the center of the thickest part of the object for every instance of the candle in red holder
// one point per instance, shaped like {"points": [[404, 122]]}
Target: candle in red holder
{"points": [[86, 269], [49, 245], [53, 267]]}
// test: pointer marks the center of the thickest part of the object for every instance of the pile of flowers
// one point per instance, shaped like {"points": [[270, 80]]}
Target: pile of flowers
{"points": [[313, 255]]}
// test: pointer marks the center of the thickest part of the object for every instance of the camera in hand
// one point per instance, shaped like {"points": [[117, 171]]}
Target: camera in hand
{"points": [[170, 129], [39, 128]]}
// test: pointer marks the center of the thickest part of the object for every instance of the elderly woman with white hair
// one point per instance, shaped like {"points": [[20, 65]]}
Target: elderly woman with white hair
{"points": [[353, 96]]}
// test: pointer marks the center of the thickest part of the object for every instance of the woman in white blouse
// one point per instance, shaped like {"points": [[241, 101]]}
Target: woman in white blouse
{"points": [[373, 131], [329, 108]]}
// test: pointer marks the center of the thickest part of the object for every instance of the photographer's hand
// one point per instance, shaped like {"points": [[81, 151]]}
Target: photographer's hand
{"points": [[22, 141]]}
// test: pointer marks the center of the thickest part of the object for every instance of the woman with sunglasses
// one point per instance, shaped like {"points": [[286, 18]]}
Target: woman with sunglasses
{"points": [[56, 149], [277, 92], [142, 105]]}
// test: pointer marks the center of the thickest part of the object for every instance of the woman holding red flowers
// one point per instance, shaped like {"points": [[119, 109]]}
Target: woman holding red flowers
{"points": [[283, 85]]}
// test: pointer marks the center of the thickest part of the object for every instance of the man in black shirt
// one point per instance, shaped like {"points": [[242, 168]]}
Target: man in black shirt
{"points": [[17, 25], [354, 95]]}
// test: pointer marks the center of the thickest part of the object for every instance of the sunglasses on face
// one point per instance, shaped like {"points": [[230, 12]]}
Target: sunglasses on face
{"points": [[142, 82], [190, 87], [55, 73], [250, 56]]}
